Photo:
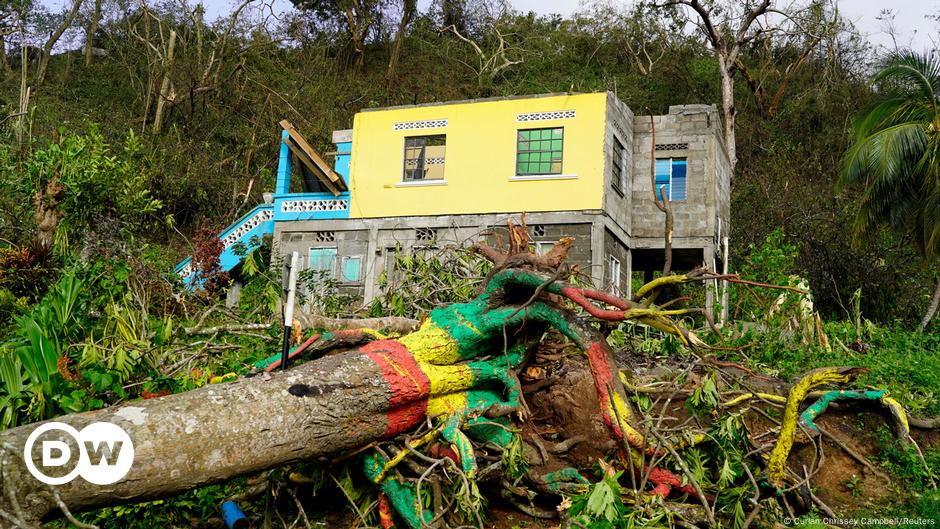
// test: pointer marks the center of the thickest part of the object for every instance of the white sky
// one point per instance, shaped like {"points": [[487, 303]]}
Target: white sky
{"points": [[912, 25]]}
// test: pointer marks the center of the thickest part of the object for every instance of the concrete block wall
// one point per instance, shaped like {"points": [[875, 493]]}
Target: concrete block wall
{"points": [[379, 241], [693, 127], [618, 124], [348, 243]]}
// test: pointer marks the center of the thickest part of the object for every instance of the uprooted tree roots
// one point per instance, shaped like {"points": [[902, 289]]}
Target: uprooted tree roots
{"points": [[438, 412]]}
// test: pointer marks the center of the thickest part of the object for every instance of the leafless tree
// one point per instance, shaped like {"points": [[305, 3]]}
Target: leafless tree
{"points": [[408, 10], [729, 26], [90, 32], [490, 62], [54, 38]]}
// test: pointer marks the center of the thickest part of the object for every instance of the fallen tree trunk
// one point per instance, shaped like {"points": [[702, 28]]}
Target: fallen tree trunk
{"points": [[393, 324], [210, 435]]}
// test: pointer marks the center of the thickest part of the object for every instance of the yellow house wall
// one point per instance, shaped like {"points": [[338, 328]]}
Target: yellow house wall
{"points": [[480, 159]]}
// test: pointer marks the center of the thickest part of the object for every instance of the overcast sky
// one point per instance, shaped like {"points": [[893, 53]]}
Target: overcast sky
{"points": [[911, 22], [912, 25], [910, 17]]}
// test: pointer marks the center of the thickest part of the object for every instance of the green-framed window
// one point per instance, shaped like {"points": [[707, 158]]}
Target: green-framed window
{"points": [[539, 151]]}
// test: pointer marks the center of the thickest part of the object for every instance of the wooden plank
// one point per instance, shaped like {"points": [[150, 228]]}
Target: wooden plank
{"points": [[312, 154], [308, 163]]}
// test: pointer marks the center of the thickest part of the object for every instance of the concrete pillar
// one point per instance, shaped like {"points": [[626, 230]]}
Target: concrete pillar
{"points": [[726, 258], [598, 259], [373, 260], [628, 284], [709, 258]]}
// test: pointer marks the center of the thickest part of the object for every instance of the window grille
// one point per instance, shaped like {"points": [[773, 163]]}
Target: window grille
{"points": [[324, 236], [614, 270], [672, 146], [539, 116], [425, 234], [619, 180]]}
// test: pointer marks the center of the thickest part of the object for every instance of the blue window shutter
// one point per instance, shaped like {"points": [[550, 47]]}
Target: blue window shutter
{"points": [[662, 176], [352, 268], [678, 179], [323, 259]]}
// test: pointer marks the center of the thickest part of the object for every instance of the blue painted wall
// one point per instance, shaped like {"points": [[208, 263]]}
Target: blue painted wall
{"points": [[282, 184], [341, 166], [282, 194]]}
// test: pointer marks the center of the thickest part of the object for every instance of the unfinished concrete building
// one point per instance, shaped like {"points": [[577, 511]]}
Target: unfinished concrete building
{"points": [[419, 177]]}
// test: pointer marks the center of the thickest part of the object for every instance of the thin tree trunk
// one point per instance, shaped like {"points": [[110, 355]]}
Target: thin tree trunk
{"points": [[4, 65], [165, 85], [90, 33], [47, 47], [932, 308], [727, 108], [661, 200], [407, 12], [24, 92]]}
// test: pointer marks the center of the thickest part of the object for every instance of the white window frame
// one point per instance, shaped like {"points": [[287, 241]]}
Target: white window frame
{"points": [[613, 273], [543, 247]]}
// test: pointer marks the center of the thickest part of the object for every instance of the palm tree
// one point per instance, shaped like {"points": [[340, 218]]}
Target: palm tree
{"points": [[895, 158]]}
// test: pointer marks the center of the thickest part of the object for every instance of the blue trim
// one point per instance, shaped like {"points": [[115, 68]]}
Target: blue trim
{"points": [[228, 259], [341, 165], [282, 185], [182, 264]]}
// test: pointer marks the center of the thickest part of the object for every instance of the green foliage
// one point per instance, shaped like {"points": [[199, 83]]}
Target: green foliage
{"points": [[513, 462], [895, 153], [906, 463], [262, 285], [98, 183], [903, 361], [601, 507], [199, 504], [29, 362], [217, 143], [427, 279], [773, 262], [705, 397]]}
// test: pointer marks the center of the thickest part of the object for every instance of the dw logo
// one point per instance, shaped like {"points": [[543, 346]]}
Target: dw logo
{"points": [[105, 453]]}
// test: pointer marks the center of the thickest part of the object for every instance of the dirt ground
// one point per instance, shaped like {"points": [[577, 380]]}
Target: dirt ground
{"points": [[563, 405]]}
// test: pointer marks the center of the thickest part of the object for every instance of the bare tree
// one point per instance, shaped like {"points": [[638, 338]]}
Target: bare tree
{"points": [[359, 17], [167, 92], [809, 27], [645, 34], [90, 32], [408, 10], [53, 39], [8, 15], [729, 26], [490, 63], [661, 199]]}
